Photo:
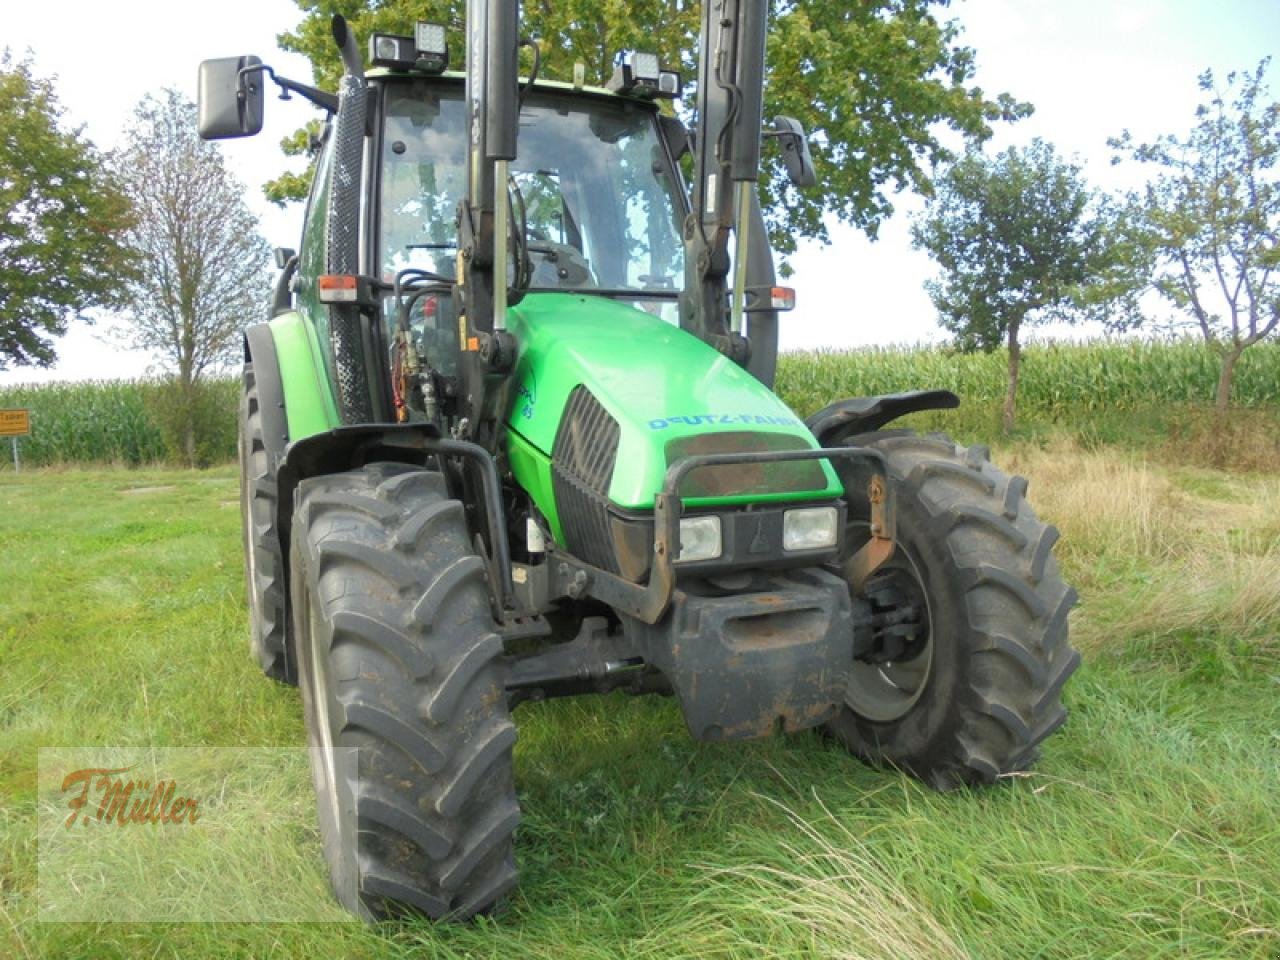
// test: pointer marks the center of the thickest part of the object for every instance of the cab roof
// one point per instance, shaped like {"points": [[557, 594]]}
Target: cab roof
{"points": [[558, 86]]}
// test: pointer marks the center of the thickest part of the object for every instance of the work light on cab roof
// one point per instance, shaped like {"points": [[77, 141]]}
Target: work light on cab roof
{"points": [[640, 74], [427, 51]]}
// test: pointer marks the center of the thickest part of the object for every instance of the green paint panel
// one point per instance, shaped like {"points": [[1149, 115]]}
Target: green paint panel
{"points": [[659, 382], [308, 398], [532, 468]]}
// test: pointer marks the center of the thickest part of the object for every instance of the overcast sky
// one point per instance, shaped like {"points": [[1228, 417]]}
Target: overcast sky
{"points": [[1091, 68]]}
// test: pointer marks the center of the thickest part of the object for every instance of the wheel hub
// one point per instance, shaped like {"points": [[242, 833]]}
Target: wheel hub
{"points": [[892, 668], [897, 625]]}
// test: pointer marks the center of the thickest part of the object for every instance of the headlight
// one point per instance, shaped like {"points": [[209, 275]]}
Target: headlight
{"points": [[810, 528], [699, 539]]}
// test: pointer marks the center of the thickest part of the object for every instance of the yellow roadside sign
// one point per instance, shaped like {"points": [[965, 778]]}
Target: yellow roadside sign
{"points": [[15, 423]]}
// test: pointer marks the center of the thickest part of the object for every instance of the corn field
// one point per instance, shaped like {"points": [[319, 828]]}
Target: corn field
{"points": [[124, 422], [1075, 385], [1057, 381]]}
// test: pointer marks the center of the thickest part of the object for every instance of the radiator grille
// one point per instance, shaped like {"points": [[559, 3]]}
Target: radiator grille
{"points": [[582, 461]]}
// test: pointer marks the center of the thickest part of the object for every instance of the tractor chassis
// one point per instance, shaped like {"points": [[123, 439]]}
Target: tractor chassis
{"points": [[740, 664]]}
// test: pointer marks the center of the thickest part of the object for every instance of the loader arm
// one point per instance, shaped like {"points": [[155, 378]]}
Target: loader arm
{"points": [[729, 110]]}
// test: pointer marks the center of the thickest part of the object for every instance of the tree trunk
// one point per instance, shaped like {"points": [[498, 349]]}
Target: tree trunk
{"points": [[189, 437], [1015, 362], [1225, 375], [188, 414]]}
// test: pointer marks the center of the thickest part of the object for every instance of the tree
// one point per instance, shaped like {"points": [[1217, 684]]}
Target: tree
{"points": [[1022, 240], [1212, 217], [875, 83], [61, 221], [203, 265]]}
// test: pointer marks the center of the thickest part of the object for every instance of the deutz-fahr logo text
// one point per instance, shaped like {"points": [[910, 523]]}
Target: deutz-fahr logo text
{"points": [[700, 419]]}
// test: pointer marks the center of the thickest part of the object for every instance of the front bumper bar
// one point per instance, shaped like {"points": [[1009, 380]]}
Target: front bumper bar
{"points": [[648, 602]]}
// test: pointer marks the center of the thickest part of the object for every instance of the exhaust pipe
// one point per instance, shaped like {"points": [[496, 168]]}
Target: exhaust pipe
{"points": [[342, 231]]}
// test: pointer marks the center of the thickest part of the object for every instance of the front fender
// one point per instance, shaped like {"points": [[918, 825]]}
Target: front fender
{"points": [[260, 350], [310, 407], [846, 418]]}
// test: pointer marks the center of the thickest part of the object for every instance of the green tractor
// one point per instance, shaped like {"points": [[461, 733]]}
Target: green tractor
{"points": [[509, 434]]}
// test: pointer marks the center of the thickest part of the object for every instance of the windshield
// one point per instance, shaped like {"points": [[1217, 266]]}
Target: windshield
{"points": [[592, 177]]}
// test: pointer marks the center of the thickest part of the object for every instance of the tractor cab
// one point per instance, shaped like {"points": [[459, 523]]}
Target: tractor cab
{"points": [[597, 200], [594, 195]]}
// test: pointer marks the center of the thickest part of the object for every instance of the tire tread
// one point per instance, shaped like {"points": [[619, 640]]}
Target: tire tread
{"points": [[405, 603], [1015, 607]]}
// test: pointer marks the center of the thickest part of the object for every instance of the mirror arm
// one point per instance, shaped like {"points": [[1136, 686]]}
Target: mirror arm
{"points": [[326, 101]]}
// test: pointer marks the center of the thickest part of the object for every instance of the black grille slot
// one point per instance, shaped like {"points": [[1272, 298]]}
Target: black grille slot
{"points": [[587, 442], [582, 460], [585, 519]]}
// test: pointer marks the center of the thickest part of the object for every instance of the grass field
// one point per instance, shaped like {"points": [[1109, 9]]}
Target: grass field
{"points": [[1150, 828]]}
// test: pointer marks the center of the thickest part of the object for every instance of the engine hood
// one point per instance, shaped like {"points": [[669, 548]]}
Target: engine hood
{"points": [[660, 384]]}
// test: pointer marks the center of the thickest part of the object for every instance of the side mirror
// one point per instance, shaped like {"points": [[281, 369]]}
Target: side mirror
{"points": [[676, 135], [795, 151], [283, 255], [230, 98]]}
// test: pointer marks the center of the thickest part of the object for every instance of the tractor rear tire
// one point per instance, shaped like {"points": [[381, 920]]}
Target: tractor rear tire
{"points": [[978, 684], [400, 660], [264, 572]]}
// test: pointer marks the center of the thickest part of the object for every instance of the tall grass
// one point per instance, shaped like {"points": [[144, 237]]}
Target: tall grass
{"points": [[1148, 829], [1100, 390], [118, 421], [1057, 380]]}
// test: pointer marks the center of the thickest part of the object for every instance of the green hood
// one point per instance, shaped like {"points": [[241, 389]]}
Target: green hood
{"points": [[658, 382]]}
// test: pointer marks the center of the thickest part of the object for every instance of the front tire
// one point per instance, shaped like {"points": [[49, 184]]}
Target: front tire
{"points": [[970, 684], [399, 660]]}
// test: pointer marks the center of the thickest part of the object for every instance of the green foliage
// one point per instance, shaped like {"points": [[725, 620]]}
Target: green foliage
{"points": [[1120, 388], [197, 421], [1111, 392], [875, 83], [61, 221], [295, 186], [119, 422], [1212, 216], [1020, 239]]}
